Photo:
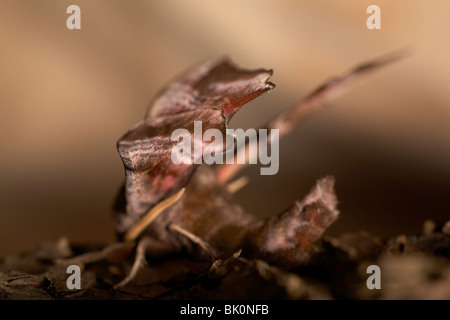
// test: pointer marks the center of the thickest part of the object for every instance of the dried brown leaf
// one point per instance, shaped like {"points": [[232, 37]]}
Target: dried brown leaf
{"points": [[287, 239]]}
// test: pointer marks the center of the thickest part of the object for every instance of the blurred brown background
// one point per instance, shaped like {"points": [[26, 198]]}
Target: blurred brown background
{"points": [[67, 96]]}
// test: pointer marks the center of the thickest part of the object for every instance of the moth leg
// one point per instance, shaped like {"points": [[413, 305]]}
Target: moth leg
{"points": [[118, 251], [138, 264], [195, 239]]}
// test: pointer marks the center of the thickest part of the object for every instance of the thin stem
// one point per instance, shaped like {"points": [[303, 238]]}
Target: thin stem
{"points": [[309, 105]]}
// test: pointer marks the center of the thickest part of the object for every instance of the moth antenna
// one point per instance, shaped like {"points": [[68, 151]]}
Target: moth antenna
{"points": [[142, 224], [237, 184]]}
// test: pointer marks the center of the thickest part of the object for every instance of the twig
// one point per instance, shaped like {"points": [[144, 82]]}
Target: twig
{"points": [[312, 103]]}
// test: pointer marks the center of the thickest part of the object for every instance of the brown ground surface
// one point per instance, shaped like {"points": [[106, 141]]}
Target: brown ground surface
{"points": [[412, 267]]}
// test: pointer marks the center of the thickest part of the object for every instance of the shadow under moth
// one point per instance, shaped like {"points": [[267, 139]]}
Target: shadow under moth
{"points": [[165, 208]]}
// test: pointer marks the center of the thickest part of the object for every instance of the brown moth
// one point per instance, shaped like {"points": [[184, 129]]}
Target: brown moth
{"points": [[165, 208], [212, 93]]}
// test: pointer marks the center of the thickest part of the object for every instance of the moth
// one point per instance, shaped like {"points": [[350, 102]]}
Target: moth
{"points": [[165, 208]]}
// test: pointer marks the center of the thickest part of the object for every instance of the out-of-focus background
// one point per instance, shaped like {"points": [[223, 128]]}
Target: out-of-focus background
{"points": [[67, 96]]}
